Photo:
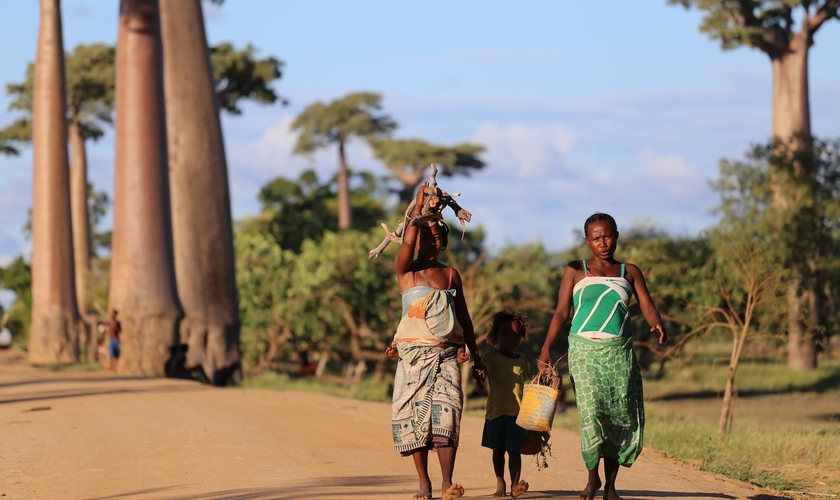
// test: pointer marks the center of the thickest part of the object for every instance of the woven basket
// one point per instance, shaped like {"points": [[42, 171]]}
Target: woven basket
{"points": [[539, 402]]}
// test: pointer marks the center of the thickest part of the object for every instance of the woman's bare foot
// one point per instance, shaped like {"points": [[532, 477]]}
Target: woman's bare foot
{"points": [[611, 495], [425, 492], [592, 487], [501, 488], [518, 489], [454, 491]]}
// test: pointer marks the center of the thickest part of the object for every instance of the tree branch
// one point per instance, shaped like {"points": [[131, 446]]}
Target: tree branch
{"points": [[824, 13]]}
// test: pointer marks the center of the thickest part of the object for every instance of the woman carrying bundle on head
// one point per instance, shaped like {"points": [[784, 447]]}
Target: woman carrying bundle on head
{"points": [[435, 325]]}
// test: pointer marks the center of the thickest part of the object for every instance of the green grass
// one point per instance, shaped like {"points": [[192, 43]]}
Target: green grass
{"points": [[755, 454], [756, 375]]}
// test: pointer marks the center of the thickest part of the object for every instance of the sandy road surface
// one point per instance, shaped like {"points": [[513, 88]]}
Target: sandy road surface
{"points": [[94, 436]]}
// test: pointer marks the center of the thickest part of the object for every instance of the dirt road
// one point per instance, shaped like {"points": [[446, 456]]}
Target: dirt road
{"points": [[95, 436]]}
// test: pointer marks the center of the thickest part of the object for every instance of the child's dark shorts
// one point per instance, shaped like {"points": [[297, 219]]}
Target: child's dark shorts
{"points": [[114, 349], [503, 434]]}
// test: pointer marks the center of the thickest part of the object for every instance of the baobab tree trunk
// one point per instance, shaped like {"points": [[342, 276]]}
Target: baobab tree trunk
{"points": [[792, 124], [201, 220], [142, 271], [81, 236], [345, 213], [55, 318]]}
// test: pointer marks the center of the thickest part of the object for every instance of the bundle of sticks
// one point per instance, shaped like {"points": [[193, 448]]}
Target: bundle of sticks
{"points": [[548, 375], [434, 201]]}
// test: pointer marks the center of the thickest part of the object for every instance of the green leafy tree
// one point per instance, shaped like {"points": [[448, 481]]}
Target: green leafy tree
{"points": [[263, 279], [322, 125], [329, 298], [804, 230], [294, 211], [239, 75], [17, 277], [408, 159], [784, 31], [747, 275]]}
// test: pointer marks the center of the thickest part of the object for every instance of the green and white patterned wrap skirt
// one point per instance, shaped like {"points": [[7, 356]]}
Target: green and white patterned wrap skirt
{"points": [[608, 389]]}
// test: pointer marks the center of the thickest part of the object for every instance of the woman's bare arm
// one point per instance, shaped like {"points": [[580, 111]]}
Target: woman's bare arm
{"points": [[561, 312], [646, 305], [402, 264]]}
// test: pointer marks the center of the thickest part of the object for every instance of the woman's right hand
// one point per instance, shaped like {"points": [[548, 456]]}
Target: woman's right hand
{"points": [[544, 359]]}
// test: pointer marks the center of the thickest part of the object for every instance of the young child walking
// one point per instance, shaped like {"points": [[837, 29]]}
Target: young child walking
{"points": [[506, 372]]}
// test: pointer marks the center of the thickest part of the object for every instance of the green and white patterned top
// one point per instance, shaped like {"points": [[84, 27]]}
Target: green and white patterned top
{"points": [[601, 304]]}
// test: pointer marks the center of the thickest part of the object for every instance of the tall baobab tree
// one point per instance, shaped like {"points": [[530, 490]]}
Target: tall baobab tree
{"points": [[322, 124], [784, 31], [408, 159], [55, 317], [142, 271], [90, 101], [201, 218]]}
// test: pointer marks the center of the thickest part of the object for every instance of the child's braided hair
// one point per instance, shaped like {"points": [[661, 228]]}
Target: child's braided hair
{"points": [[503, 318]]}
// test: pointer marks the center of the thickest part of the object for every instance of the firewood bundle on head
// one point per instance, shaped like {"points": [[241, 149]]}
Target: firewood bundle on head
{"points": [[434, 201]]}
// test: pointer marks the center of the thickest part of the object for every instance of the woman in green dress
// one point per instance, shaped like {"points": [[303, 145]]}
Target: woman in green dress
{"points": [[602, 364]]}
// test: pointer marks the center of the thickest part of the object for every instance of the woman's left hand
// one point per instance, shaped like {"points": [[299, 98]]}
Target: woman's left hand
{"points": [[392, 352], [463, 356], [663, 337]]}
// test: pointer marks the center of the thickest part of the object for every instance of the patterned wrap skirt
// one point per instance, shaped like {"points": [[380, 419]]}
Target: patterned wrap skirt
{"points": [[608, 389], [427, 401]]}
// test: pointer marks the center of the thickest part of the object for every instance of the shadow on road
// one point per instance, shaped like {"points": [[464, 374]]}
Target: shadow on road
{"points": [[335, 487], [49, 395], [72, 380]]}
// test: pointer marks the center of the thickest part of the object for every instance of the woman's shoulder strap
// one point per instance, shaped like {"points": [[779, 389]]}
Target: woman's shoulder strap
{"points": [[451, 272], [585, 271], [622, 269]]}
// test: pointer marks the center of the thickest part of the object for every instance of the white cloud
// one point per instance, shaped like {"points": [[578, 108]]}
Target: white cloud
{"points": [[671, 174], [526, 152], [252, 164]]}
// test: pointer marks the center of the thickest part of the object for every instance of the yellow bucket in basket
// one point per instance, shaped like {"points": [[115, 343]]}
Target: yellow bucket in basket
{"points": [[539, 402]]}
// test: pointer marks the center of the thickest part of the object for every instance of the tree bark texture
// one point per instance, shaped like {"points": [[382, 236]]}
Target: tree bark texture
{"points": [[142, 270], [201, 218], [81, 237], [345, 213], [792, 122], [55, 317], [79, 211]]}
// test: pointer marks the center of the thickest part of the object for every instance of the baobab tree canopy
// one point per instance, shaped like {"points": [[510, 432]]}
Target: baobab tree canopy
{"points": [[90, 94], [768, 25], [356, 114], [408, 159], [239, 75]]}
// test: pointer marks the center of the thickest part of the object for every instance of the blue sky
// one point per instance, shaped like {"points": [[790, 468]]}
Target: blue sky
{"points": [[626, 108]]}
